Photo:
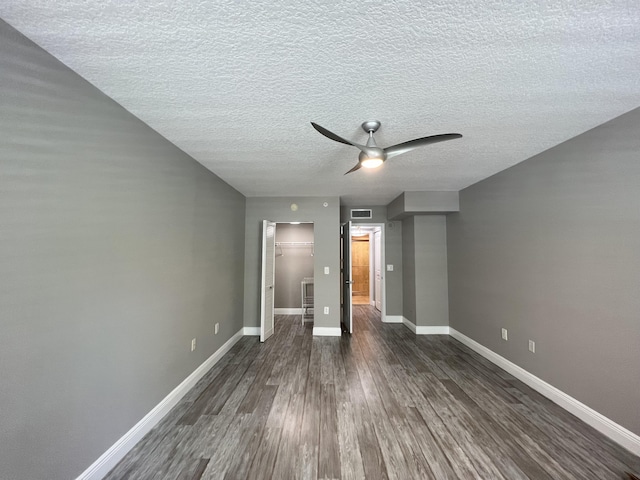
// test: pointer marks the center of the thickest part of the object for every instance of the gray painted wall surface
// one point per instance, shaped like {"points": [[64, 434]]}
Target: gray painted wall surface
{"points": [[293, 263], [116, 249], [550, 250], [424, 255], [392, 254], [326, 231], [409, 269]]}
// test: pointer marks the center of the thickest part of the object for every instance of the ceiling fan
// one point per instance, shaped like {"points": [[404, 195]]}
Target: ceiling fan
{"points": [[372, 156]]}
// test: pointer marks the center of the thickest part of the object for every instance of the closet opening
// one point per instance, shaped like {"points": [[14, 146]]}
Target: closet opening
{"points": [[294, 259]]}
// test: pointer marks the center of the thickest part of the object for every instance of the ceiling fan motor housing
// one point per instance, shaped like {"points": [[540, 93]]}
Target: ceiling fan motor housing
{"points": [[371, 126]]}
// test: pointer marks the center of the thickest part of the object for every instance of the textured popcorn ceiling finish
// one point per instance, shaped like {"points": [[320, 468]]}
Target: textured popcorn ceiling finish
{"points": [[235, 83]]}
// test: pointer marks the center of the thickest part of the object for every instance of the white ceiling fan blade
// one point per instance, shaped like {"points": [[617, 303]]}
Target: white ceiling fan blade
{"points": [[405, 147]]}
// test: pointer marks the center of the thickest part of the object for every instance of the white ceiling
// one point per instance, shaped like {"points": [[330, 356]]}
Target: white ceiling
{"points": [[235, 83]]}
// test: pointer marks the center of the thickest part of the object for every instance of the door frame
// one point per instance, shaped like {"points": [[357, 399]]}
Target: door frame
{"points": [[346, 277]]}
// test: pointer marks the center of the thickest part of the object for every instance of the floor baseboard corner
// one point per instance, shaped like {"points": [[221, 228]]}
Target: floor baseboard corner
{"points": [[252, 331]]}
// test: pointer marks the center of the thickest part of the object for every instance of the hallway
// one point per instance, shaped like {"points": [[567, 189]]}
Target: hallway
{"points": [[381, 404]]}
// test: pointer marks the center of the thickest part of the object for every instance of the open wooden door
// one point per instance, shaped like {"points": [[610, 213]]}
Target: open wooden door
{"points": [[346, 275], [268, 279]]}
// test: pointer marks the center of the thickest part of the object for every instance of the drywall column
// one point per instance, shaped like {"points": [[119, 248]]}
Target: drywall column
{"points": [[424, 258], [409, 269]]}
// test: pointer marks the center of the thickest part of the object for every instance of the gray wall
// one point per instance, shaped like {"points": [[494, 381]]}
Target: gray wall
{"points": [[409, 269], [116, 249], [326, 232], [424, 255], [293, 263], [392, 254], [550, 250]]}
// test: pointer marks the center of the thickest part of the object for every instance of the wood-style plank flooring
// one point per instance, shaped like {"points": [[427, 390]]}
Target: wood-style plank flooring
{"points": [[381, 404], [360, 300]]}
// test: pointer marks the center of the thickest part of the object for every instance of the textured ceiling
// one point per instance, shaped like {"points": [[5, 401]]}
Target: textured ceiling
{"points": [[236, 83]]}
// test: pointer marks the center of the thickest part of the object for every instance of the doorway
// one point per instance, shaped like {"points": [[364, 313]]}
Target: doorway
{"points": [[367, 262], [294, 258], [288, 273], [362, 260]]}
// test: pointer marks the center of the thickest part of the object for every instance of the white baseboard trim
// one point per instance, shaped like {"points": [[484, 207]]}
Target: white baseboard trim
{"points": [[327, 332], [432, 330], [109, 459], [604, 425], [409, 324], [251, 331], [425, 330], [287, 311], [393, 319]]}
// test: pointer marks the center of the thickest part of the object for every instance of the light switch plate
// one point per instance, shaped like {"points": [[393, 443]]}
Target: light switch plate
{"points": [[326, 270], [389, 268]]}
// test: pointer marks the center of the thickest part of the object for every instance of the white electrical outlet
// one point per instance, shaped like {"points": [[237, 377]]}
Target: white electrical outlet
{"points": [[326, 310], [193, 344], [532, 346], [505, 335], [216, 328], [326, 270], [389, 268]]}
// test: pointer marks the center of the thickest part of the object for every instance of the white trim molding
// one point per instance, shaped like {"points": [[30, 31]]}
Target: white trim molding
{"points": [[424, 329], [109, 459], [432, 330], [327, 332], [288, 311], [393, 319], [409, 324], [604, 425], [251, 331]]}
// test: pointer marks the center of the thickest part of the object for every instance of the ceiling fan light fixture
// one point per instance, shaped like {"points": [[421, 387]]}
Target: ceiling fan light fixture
{"points": [[371, 162], [372, 156]]}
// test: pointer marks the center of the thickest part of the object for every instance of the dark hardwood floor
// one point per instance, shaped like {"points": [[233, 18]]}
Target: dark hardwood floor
{"points": [[382, 403]]}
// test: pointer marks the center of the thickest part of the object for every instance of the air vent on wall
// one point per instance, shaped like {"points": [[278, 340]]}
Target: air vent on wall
{"points": [[361, 213]]}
